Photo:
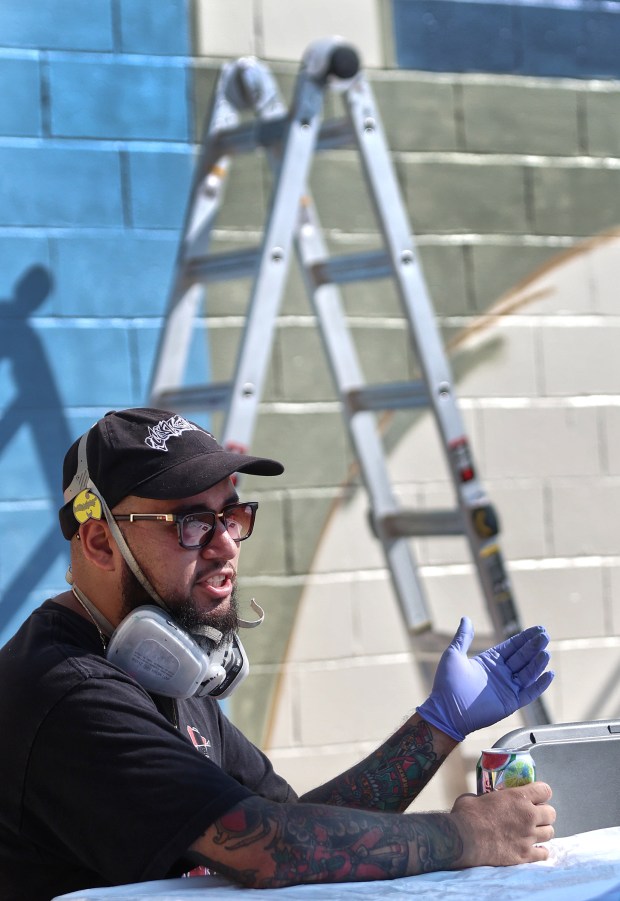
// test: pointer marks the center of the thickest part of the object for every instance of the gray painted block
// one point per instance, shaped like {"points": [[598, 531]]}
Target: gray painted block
{"points": [[513, 117], [575, 200], [418, 113], [312, 446], [498, 268], [473, 196], [602, 108]]}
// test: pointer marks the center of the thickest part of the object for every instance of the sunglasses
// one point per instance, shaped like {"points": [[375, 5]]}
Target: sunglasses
{"points": [[195, 530]]}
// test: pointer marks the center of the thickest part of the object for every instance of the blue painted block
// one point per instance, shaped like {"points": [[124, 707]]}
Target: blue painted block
{"points": [[20, 98], [117, 275], [59, 187], [552, 40], [163, 29], [33, 443], [28, 382], [555, 39], [147, 343], [21, 290], [198, 366], [57, 24], [91, 364], [601, 43], [454, 36], [118, 100], [33, 560], [160, 184]]}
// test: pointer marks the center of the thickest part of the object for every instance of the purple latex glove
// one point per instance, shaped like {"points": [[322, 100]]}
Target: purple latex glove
{"points": [[469, 694]]}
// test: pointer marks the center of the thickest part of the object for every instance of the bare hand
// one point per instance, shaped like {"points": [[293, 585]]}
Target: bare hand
{"points": [[503, 828]]}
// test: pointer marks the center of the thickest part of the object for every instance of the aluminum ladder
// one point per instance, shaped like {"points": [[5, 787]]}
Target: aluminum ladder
{"points": [[290, 140]]}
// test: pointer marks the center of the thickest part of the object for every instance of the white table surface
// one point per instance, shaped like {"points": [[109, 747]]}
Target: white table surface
{"points": [[580, 868]]}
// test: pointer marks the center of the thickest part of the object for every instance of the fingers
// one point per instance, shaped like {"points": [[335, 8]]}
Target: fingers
{"points": [[538, 852], [519, 650], [536, 792], [545, 833], [533, 691], [532, 670], [526, 659], [505, 827], [463, 636]]}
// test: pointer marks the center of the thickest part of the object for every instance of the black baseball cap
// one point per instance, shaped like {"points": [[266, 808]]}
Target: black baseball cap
{"points": [[152, 453]]}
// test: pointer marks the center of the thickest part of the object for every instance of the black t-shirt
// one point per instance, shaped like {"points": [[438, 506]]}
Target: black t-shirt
{"points": [[99, 787]]}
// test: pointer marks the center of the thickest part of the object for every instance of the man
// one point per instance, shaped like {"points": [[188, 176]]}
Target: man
{"points": [[118, 765]]}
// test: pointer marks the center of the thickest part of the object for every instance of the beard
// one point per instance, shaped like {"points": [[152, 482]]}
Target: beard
{"points": [[183, 609]]}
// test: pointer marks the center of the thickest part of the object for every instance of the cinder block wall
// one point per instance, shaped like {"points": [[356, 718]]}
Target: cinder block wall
{"points": [[98, 121], [503, 177]]}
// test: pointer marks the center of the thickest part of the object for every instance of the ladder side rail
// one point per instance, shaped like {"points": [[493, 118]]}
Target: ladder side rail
{"points": [[362, 427], [205, 198], [399, 239], [414, 297], [381, 180], [291, 176]]}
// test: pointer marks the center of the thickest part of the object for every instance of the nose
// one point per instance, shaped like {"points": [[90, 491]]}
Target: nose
{"points": [[222, 544]]}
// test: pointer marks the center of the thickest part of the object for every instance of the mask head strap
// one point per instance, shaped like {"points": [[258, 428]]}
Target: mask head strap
{"points": [[86, 507]]}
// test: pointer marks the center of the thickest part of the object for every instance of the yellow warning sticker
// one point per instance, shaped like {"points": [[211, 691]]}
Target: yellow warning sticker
{"points": [[87, 505]]}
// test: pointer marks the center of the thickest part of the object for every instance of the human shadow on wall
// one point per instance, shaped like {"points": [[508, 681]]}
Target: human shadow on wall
{"points": [[37, 406]]}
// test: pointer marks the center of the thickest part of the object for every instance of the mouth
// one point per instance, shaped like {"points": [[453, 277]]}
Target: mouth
{"points": [[217, 586]]}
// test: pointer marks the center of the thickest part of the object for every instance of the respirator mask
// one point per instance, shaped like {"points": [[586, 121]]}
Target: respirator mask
{"points": [[166, 660], [148, 644]]}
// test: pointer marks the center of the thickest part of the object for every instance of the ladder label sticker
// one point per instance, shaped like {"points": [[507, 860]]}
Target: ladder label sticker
{"points": [[484, 520], [463, 462]]}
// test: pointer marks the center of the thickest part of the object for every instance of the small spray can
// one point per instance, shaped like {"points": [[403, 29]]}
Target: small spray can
{"points": [[503, 768]]}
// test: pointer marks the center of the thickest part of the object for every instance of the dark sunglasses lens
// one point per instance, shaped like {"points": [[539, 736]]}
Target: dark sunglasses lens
{"points": [[239, 519], [197, 529]]}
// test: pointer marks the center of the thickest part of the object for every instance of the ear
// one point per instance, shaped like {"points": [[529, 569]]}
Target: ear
{"points": [[96, 544]]}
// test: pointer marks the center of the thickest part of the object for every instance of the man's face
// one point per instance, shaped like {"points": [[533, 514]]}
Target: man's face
{"points": [[199, 585]]}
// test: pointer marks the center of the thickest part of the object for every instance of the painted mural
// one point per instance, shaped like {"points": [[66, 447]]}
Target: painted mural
{"points": [[506, 144]]}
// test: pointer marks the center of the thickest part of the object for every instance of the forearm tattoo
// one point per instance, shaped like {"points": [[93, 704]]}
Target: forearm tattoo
{"points": [[309, 843], [390, 778]]}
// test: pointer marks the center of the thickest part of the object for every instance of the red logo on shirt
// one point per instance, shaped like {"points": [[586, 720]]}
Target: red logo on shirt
{"points": [[201, 743]]}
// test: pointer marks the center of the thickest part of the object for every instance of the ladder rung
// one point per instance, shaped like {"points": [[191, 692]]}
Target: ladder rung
{"points": [[221, 267], [246, 137], [391, 396], [335, 133], [214, 396], [413, 523], [355, 267]]}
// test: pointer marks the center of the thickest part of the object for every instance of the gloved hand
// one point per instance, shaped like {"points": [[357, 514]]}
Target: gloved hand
{"points": [[469, 694]]}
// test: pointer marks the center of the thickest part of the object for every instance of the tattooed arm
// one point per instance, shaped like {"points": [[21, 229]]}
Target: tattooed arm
{"points": [[262, 844], [467, 694], [393, 775]]}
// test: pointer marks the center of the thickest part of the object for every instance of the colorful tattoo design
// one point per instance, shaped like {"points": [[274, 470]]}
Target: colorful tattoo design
{"points": [[309, 843], [390, 778]]}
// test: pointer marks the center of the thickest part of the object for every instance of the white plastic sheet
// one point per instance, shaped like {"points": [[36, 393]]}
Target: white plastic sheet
{"points": [[580, 868]]}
